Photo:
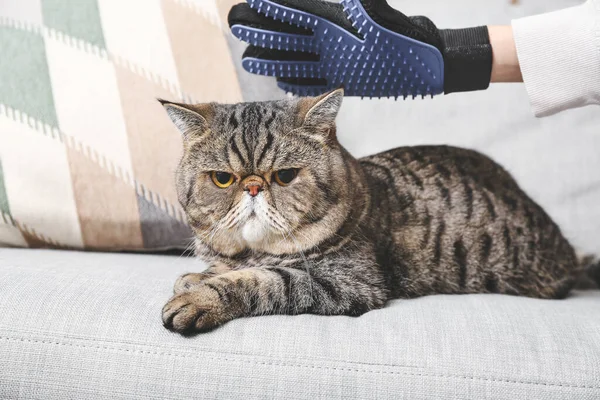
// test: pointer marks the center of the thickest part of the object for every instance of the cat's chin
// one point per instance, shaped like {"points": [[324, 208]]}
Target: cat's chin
{"points": [[255, 231]]}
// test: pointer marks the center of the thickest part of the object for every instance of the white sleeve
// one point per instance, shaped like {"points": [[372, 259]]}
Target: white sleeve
{"points": [[559, 54]]}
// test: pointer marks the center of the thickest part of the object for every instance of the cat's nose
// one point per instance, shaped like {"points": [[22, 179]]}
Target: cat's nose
{"points": [[253, 185], [253, 189]]}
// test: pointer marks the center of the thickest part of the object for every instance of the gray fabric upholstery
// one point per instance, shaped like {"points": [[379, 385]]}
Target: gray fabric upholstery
{"points": [[87, 326]]}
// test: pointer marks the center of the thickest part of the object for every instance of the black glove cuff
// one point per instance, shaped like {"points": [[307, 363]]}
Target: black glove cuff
{"points": [[467, 59]]}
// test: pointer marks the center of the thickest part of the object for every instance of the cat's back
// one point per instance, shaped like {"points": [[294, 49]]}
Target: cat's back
{"points": [[439, 163], [448, 174], [457, 212]]}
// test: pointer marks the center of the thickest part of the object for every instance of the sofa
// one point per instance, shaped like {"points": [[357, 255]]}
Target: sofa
{"points": [[87, 326], [90, 248]]}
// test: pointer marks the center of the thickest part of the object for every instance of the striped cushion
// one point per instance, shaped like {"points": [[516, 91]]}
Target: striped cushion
{"points": [[87, 155]]}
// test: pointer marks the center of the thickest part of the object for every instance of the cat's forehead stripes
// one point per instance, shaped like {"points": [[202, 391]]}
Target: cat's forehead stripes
{"points": [[251, 131], [258, 137]]}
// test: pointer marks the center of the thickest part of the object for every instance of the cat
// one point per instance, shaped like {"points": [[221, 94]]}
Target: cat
{"points": [[289, 222]]}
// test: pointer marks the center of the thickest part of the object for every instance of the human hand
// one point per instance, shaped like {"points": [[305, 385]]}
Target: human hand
{"points": [[365, 46]]}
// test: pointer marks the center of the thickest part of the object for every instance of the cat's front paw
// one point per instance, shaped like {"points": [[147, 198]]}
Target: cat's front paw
{"points": [[186, 282], [194, 311]]}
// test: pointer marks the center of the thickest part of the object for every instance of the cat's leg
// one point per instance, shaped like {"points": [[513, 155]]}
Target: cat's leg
{"points": [[187, 281], [275, 290]]}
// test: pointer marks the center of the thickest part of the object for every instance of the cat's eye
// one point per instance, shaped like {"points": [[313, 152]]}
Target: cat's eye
{"points": [[222, 179], [285, 176]]}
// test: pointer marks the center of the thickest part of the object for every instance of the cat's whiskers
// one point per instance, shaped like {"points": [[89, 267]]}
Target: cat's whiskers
{"points": [[209, 236], [284, 226], [235, 220], [221, 225], [189, 248], [205, 236], [231, 218], [243, 209], [273, 218]]}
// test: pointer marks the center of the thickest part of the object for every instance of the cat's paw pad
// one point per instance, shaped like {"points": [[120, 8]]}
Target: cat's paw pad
{"points": [[194, 311], [186, 282]]}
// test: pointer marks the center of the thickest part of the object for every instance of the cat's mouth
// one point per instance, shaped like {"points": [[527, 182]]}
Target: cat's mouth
{"points": [[253, 229]]}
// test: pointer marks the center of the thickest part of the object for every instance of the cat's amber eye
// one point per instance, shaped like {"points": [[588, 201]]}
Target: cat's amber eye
{"points": [[285, 176], [222, 179]]}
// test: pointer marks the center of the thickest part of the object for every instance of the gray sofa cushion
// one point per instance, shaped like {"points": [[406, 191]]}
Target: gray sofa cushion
{"points": [[84, 325]]}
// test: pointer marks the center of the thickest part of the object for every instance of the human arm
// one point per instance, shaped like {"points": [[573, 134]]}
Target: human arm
{"points": [[559, 56], [505, 64]]}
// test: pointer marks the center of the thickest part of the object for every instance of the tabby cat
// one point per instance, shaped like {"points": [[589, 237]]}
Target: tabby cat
{"points": [[291, 223]]}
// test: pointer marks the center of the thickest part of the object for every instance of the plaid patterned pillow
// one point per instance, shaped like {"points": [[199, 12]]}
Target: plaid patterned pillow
{"points": [[87, 155]]}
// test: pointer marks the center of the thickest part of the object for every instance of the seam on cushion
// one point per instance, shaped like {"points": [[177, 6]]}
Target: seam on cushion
{"points": [[100, 159], [290, 364], [99, 52], [205, 350]]}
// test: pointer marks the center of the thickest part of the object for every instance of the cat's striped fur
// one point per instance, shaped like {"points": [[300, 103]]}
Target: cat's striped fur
{"points": [[346, 236]]}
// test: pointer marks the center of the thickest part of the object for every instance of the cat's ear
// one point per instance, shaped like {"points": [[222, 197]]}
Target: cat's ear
{"points": [[321, 112], [189, 118]]}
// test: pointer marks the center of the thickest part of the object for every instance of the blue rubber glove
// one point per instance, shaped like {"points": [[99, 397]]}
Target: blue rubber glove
{"points": [[364, 46]]}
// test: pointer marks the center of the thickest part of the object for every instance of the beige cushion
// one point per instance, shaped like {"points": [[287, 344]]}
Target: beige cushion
{"points": [[87, 154]]}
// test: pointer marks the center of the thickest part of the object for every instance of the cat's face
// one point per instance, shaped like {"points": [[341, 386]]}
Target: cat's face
{"points": [[266, 176]]}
